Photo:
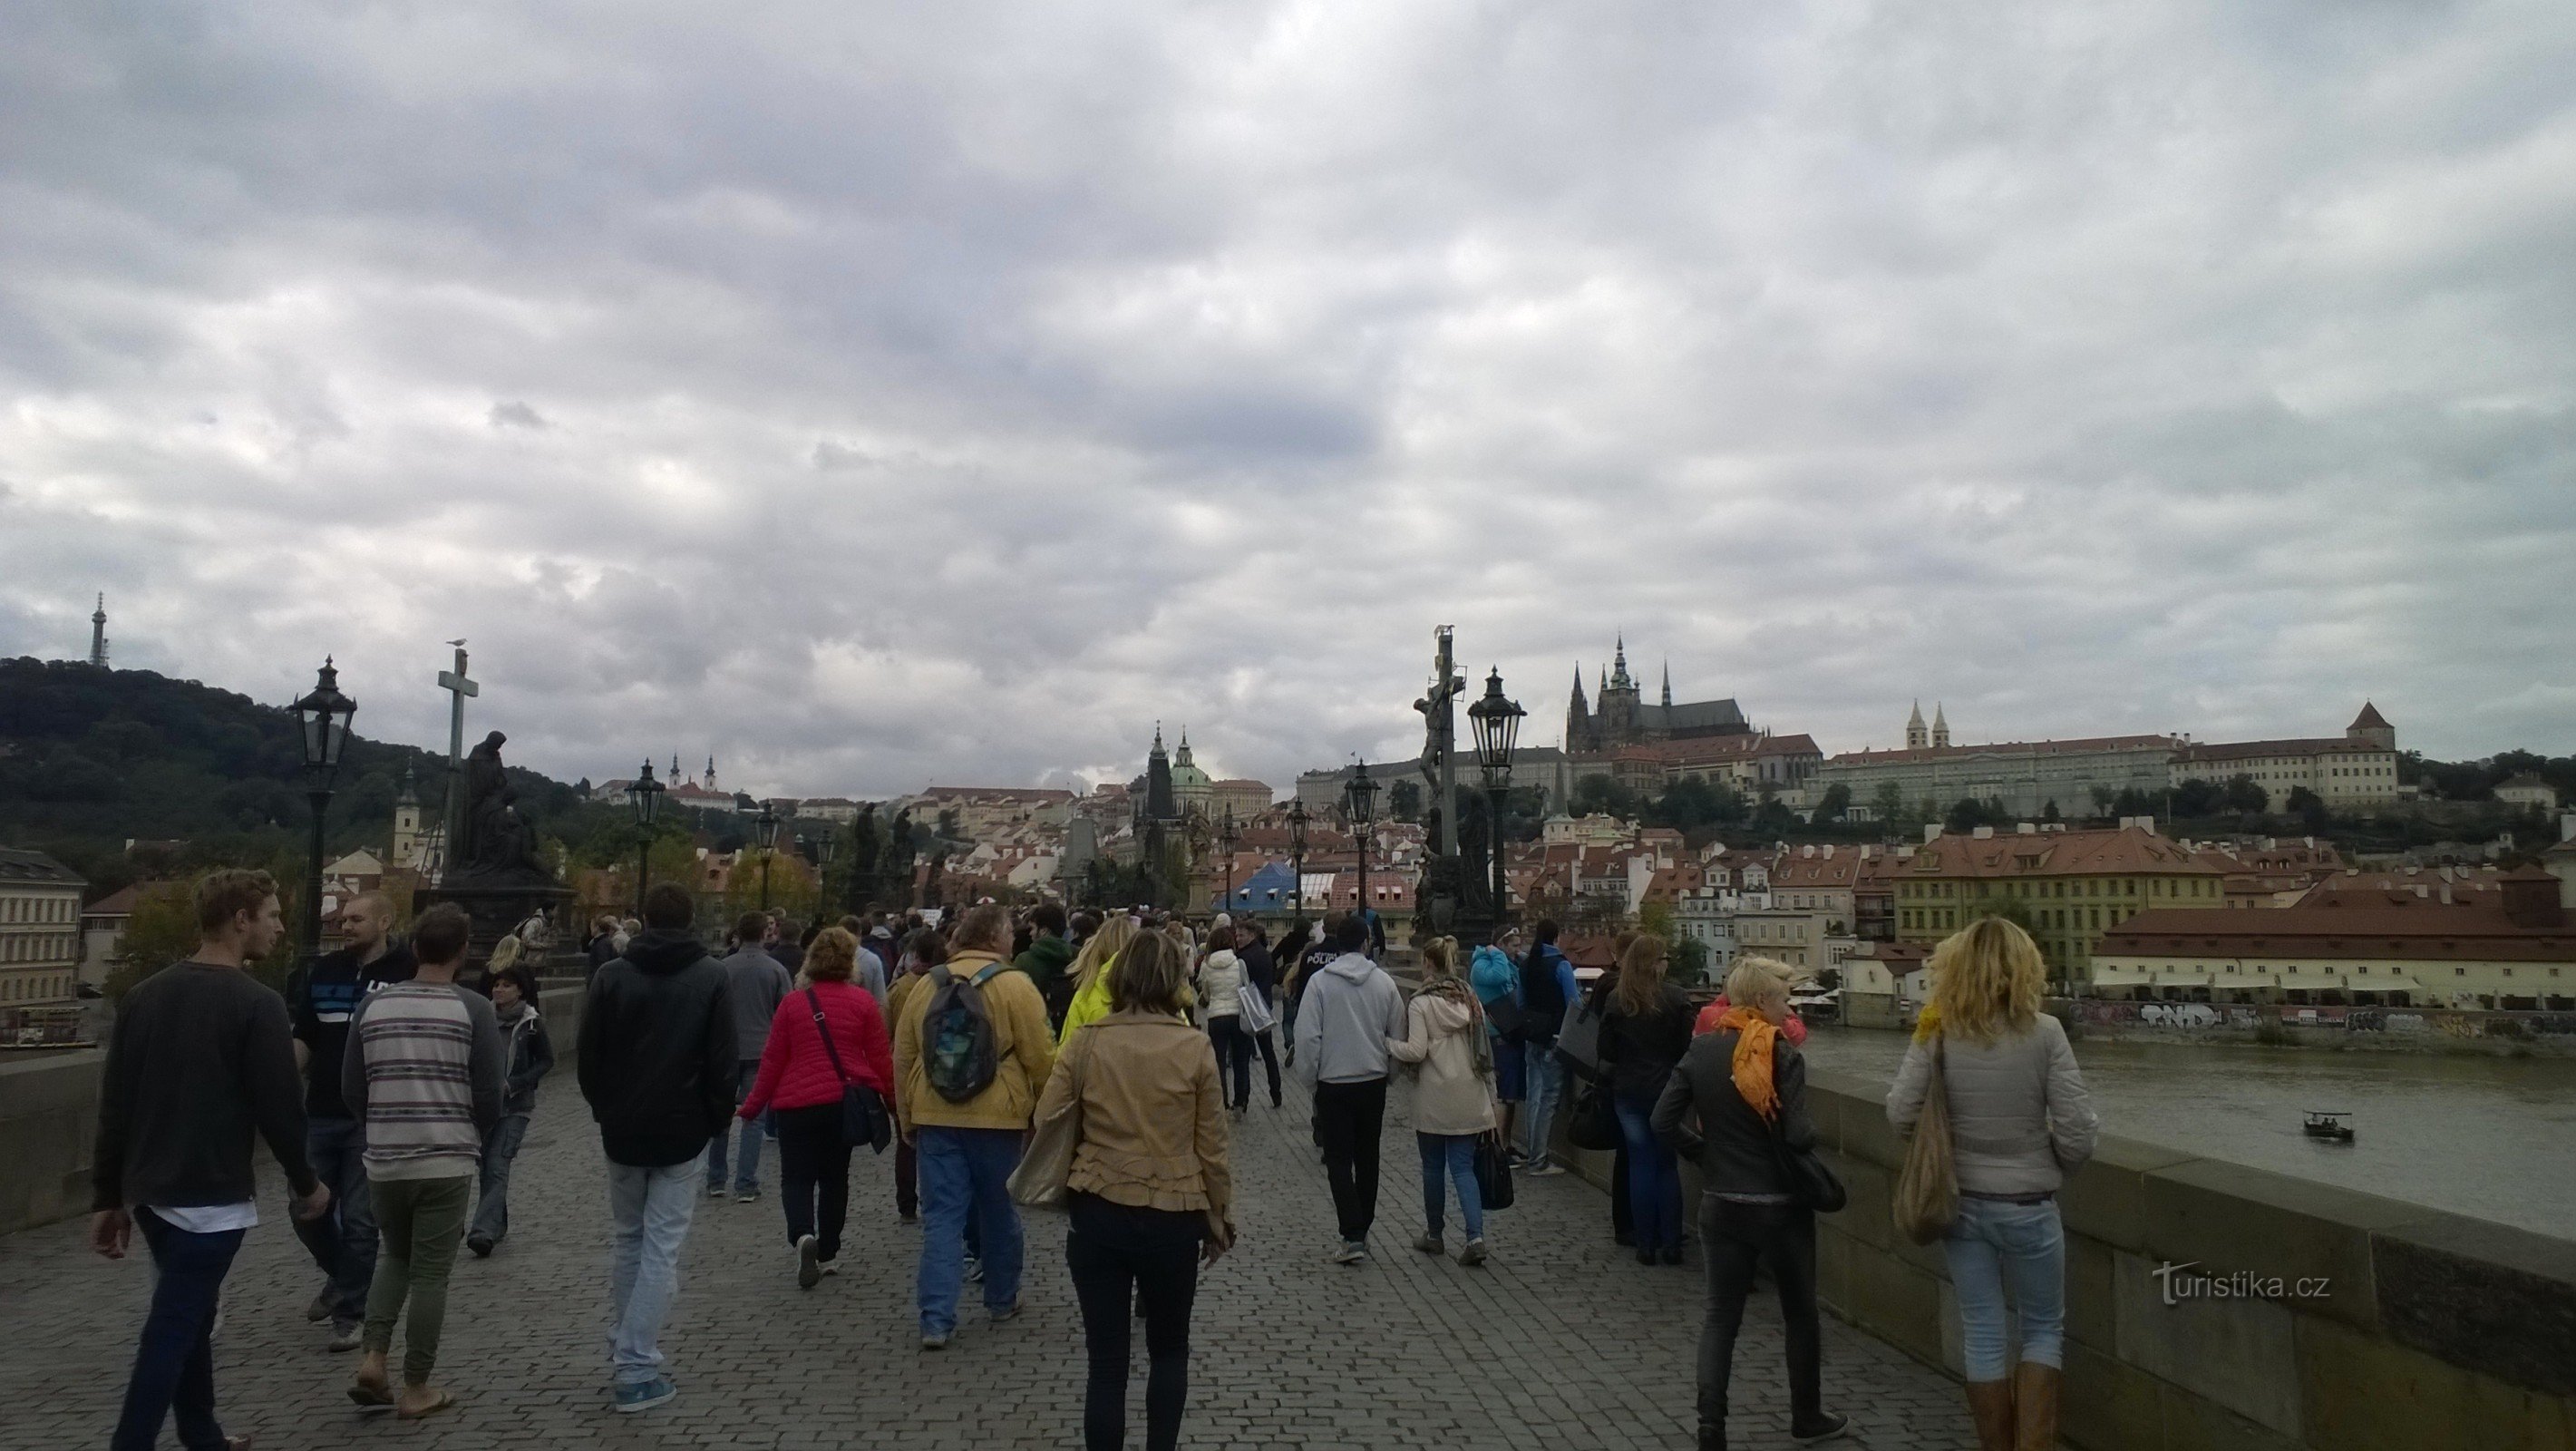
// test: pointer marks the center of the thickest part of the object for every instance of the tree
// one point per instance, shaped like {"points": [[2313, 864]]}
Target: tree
{"points": [[1889, 800], [2049, 812], [162, 930], [1966, 815], [2197, 798], [1689, 961], [1837, 801], [2309, 807], [1404, 801], [1604, 795], [2244, 793], [2103, 799]]}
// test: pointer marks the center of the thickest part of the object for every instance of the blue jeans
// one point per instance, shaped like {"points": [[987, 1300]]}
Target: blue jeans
{"points": [[1544, 1078], [1994, 1243], [500, 1149], [966, 1172], [1457, 1154], [746, 1167], [1654, 1176], [649, 1212], [174, 1362], [343, 1241]]}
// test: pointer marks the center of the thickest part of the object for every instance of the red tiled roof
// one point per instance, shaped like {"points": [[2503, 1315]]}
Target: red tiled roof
{"points": [[2251, 750], [2084, 746], [2057, 854], [2480, 931], [2370, 718]]}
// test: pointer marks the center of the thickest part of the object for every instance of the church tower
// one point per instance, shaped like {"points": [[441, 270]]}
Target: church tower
{"points": [[1668, 685], [1578, 716], [409, 845], [1940, 727], [1915, 736], [1159, 802], [98, 635], [711, 773]]}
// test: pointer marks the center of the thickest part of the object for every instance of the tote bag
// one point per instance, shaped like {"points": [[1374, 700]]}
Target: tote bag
{"points": [[1927, 1187], [1039, 1181], [1493, 1171], [1257, 1017]]}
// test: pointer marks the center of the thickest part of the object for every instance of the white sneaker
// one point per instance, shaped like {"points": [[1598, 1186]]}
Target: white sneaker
{"points": [[1352, 1252], [809, 1264]]}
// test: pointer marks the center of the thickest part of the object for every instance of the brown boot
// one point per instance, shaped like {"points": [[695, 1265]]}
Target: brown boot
{"points": [[1991, 1403], [2035, 1407]]}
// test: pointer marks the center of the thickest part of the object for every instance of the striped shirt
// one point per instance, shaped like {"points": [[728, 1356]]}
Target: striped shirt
{"points": [[424, 1075]]}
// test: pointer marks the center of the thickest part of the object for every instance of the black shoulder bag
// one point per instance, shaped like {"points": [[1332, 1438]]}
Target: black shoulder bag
{"points": [[863, 1115], [1811, 1183]]}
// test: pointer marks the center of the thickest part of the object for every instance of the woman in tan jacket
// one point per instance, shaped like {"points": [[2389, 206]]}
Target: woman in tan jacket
{"points": [[1149, 1193], [1453, 1093]]}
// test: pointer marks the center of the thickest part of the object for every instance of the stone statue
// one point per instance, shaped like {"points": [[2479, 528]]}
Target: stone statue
{"points": [[483, 787], [499, 843]]}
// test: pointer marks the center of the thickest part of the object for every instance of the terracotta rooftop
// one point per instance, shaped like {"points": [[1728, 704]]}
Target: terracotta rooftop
{"points": [[2253, 750], [2058, 854], [2472, 933], [2085, 746]]}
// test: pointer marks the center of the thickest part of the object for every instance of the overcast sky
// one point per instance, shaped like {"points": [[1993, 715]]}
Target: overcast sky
{"points": [[880, 395]]}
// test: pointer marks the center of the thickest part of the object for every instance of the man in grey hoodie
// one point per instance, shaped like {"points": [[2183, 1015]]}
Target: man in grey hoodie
{"points": [[756, 983], [1349, 1009]]}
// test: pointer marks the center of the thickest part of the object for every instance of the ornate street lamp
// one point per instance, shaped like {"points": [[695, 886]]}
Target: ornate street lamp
{"points": [[823, 848], [1227, 834], [1297, 855], [764, 830], [1496, 723], [322, 719], [646, 797], [1359, 803]]}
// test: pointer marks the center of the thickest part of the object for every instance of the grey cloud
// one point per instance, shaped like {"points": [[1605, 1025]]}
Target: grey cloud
{"points": [[516, 415]]}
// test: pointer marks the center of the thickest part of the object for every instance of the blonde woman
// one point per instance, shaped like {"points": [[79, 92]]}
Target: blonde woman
{"points": [[2019, 1120], [1453, 1094], [1149, 1196], [1091, 972], [1742, 1086]]}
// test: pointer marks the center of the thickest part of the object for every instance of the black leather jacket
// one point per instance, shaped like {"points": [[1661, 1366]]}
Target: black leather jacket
{"points": [[1707, 1121]]}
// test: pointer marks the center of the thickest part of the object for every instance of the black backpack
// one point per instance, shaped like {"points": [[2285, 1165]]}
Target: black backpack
{"points": [[958, 1053]]}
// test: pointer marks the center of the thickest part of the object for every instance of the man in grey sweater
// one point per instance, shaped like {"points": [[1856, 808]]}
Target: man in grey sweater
{"points": [[756, 985], [1349, 1009]]}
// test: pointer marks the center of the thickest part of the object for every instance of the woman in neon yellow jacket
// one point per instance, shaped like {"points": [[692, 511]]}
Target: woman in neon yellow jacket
{"points": [[1090, 973]]}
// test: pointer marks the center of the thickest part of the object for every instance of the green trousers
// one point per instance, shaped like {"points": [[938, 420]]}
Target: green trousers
{"points": [[420, 1221]]}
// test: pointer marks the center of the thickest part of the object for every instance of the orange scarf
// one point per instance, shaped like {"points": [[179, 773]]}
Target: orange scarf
{"points": [[1755, 1038]]}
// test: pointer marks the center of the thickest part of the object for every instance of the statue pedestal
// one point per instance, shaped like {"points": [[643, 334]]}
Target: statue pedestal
{"points": [[496, 907]]}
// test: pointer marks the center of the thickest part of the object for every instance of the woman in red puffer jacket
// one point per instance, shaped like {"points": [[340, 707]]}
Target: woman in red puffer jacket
{"points": [[800, 1079]]}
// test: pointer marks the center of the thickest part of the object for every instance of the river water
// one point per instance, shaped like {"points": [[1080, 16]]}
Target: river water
{"points": [[2490, 1137]]}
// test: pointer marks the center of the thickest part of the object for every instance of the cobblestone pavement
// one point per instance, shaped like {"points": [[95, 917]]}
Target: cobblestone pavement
{"points": [[1562, 1342]]}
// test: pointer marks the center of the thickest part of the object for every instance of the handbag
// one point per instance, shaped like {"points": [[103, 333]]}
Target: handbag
{"points": [[1493, 1171], [863, 1115], [1578, 1038], [1927, 1187], [1594, 1124], [1257, 1017], [1811, 1181], [1047, 1163]]}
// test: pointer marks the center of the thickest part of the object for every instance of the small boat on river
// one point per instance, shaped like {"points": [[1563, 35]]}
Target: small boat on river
{"points": [[2329, 1126]]}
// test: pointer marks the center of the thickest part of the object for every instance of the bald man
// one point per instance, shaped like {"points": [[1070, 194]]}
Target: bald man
{"points": [[320, 1000]]}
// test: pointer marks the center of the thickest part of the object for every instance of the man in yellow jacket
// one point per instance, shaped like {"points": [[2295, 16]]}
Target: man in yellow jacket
{"points": [[967, 1150]]}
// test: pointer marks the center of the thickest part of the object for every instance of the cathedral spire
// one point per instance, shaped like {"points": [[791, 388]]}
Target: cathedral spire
{"points": [[1915, 736], [1940, 725], [1668, 685], [98, 635]]}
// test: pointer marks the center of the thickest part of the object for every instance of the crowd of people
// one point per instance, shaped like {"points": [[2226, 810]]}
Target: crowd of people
{"points": [[1092, 1062]]}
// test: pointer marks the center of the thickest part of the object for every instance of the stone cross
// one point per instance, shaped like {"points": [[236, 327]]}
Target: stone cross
{"points": [[458, 687]]}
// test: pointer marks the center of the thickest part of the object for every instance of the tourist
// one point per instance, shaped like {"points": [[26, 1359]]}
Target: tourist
{"points": [[922, 951], [1547, 985], [756, 983], [1794, 1027], [1453, 1095], [320, 1000], [659, 1061], [200, 1057], [868, 969], [626, 930], [2020, 1121], [530, 1056], [1150, 1196], [1262, 972], [1644, 1032], [424, 1074], [783, 945], [1219, 986], [1305, 951], [1352, 1009], [1045, 959], [803, 1075], [1741, 1088], [1091, 972], [967, 1134], [1494, 973], [603, 948]]}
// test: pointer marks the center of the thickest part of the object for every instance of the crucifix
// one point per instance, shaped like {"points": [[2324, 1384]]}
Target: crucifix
{"points": [[457, 686], [1441, 723]]}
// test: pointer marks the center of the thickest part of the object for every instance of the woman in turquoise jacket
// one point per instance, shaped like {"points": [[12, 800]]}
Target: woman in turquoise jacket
{"points": [[1495, 974]]}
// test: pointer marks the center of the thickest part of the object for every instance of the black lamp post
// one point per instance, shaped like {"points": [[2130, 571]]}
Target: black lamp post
{"points": [[1227, 834], [823, 873], [1359, 803], [1497, 723], [764, 830], [1297, 856], [646, 796], [322, 718]]}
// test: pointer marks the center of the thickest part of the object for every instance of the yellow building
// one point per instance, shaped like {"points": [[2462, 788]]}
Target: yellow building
{"points": [[40, 929], [2069, 886], [2358, 768]]}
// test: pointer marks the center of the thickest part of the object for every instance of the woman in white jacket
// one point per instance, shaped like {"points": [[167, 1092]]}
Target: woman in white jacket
{"points": [[1453, 1093], [1219, 984]]}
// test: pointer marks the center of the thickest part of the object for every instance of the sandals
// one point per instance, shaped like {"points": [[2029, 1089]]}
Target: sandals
{"points": [[445, 1400], [374, 1400]]}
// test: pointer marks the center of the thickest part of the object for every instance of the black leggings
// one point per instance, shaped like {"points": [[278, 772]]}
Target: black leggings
{"points": [[1233, 1058], [814, 1175], [1736, 1237], [1124, 1256]]}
